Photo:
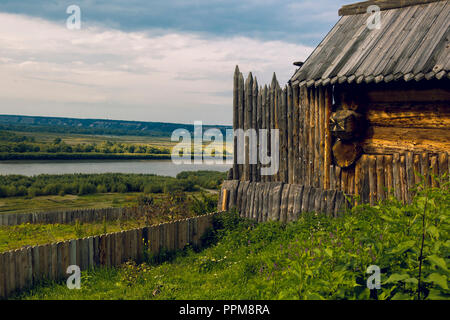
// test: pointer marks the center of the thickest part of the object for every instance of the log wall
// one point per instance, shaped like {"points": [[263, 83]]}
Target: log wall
{"points": [[22, 268]]}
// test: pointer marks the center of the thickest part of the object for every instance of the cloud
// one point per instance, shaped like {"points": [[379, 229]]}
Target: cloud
{"points": [[297, 21], [132, 75]]}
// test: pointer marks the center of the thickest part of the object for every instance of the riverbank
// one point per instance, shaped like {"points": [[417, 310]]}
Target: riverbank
{"points": [[8, 156]]}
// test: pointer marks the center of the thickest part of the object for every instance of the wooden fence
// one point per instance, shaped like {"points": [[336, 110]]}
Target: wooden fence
{"points": [[70, 216], [277, 201], [22, 268], [302, 115]]}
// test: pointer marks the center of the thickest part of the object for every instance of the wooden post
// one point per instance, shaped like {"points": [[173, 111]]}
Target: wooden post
{"points": [[424, 169], [344, 180], [64, 260], [403, 179], [365, 185], [338, 177], [303, 99], [416, 165], [372, 180], [351, 181], [316, 142], [380, 178], [3, 274], [247, 122], [10, 269], [358, 178], [259, 123], [284, 136], [271, 122], [310, 130], [225, 200], [434, 171], [396, 176], [241, 117], [296, 144], [409, 176], [235, 120], [443, 165], [253, 124], [327, 139], [305, 200], [388, 174], [54, 261], [284, 203], [274, 214], [290, 135], [321, 138], [277, 105], [332, 178], [265, 119]]}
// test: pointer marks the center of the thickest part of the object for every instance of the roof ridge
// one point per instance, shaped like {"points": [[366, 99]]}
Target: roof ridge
{"points": [[361, 7]]}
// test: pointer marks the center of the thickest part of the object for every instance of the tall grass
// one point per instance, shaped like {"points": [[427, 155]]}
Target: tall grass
{"points": [[315, 257]]}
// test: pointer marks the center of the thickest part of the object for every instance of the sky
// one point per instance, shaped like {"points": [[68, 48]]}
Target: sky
{"points": [[168, 61]]}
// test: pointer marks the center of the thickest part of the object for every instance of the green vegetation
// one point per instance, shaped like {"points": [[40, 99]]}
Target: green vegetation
{"points": [[205, 179], [93, 126], [25, 147], [82, 184], [51, 146], [67, 202], [313, 258], [15, 237], [160, 208]]}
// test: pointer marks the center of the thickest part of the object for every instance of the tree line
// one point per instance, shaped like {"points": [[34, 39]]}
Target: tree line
{"points": [[82, 184], [10, 142]]}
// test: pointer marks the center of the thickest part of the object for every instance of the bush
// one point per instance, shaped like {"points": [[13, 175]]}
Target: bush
{"points": [[79, 184], [145, 200], [3, 192], [203, 204], [153, 188], [102, 189]]}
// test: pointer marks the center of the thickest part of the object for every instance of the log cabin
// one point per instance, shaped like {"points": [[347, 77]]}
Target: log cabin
{"points": [[366, 115]]}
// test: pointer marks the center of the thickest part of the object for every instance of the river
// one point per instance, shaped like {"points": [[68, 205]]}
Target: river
{"points": [[159, 167]]}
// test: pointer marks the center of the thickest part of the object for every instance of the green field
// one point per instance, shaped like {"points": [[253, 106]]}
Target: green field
{"points": [[74, 139], [160, 208], [313, 258], [15, 237], [67, 202], [23, 145]]}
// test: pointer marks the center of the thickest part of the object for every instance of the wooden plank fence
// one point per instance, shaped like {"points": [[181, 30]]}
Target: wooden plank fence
{"points": [[70, 216], [23, 268]]}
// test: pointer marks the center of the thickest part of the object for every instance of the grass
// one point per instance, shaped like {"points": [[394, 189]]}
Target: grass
{"points": [[313, 258], [52, 203], [15, 237], [163, 207], [73, 139]]}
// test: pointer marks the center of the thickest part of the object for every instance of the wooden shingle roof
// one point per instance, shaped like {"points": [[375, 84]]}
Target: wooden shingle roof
{"points": [[412, 44]]}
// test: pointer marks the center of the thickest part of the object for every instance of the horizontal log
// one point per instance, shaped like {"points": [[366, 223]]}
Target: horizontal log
{"points": [[427, 116], [382, 140], [406, 95]]}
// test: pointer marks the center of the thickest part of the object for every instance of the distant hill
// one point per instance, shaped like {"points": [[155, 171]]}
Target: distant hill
{"points": [[94, 126]]}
